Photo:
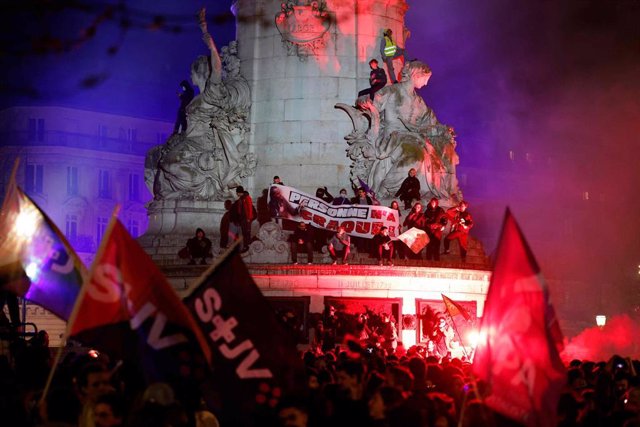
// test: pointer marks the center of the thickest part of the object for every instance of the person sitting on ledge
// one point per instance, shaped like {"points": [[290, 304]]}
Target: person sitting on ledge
{"points": [[410, 189], [377, 80], [199, 247], [342, 199], [302, 237], [340, 244], [277, 180], [383, 246]]}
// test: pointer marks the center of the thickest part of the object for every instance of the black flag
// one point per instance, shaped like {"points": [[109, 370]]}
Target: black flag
{"points": [[254, 358]]}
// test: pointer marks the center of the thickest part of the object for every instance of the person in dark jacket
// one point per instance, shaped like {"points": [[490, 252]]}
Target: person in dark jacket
{"points": [[409, 190], [383, 246], [199, 247], [342, 199], [377, 80], [186, 95], [302, 237], [435, 222]]}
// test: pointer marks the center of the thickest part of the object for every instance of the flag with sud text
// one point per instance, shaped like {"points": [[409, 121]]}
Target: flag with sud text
{"points": [[129, 310], [255, 359], [36, 261], [518, 349]]}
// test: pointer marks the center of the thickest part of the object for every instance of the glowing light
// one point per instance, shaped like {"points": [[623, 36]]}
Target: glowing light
{"points": [[601, 320], [473, 337], [32, 271], [93, 353], [26, 223]]}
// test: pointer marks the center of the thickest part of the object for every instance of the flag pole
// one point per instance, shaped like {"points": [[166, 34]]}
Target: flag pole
{"points": [[12, 181], [76, 306], [455, 328]]}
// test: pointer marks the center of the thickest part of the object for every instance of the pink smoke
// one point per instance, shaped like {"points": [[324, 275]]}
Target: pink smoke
{"points": [[621, 335]]}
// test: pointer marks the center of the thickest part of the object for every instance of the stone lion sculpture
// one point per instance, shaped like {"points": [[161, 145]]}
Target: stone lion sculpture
{"points": [[397, 132]]}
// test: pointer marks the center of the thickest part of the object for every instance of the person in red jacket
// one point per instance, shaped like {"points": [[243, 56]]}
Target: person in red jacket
{"points": [[242, 213], [461, 223]]}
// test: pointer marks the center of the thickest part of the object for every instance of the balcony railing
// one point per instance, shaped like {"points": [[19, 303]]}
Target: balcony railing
{"points": [[55, 138]]}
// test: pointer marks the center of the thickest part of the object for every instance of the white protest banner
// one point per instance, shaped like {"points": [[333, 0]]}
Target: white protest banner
{"points": [[358, 220]]}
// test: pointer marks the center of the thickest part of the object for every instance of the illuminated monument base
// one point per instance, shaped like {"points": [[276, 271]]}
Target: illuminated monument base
{"points": [[402, 291]]}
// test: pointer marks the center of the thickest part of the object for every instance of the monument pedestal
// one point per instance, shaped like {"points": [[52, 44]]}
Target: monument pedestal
{"points": [[173, 222]]}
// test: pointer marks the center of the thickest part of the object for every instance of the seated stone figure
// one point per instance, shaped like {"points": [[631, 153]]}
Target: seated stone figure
{"points": [[208, 160], [398, 131]]}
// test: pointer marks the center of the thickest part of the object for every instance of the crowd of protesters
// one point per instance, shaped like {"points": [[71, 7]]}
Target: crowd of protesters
{"points": [[348, 384]]}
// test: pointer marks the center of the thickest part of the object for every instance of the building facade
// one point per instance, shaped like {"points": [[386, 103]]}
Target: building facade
{"points": [[77, 165]]}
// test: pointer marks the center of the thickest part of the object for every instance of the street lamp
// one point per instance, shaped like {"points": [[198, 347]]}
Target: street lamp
{"points": [[601, 320]]}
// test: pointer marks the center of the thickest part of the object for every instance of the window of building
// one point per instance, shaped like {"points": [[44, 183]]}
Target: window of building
{"points": [[36, 130], [101, 228], [104, 188], [103, 132], [34, 178], [71, 227], [132, 134], [134, 228], [134, 187], [72, 180]]}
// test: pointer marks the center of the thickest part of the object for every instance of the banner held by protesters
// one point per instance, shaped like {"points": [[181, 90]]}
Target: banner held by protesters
{"points": [[358, 220]]}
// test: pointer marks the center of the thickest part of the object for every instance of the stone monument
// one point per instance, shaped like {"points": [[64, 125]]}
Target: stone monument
{"points": [[267, 107], [193, 173]]}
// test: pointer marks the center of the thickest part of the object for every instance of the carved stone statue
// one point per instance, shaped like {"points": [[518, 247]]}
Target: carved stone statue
{"points": [[211, 157], [397, 132]]}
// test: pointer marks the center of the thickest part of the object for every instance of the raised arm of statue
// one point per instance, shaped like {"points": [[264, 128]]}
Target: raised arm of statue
{"points": [[216, 63]]}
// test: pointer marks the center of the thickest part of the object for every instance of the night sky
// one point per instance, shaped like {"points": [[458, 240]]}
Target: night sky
{"points": [[557, 83]]}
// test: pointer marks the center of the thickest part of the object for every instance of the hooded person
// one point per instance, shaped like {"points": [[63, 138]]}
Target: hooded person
{"points": [[199, 247]]}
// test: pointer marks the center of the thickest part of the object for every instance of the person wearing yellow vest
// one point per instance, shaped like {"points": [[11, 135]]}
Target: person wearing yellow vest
{"points": [[390, 51]]}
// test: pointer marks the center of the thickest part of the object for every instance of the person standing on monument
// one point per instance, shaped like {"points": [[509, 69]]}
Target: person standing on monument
{"points": [[390, 51], [409, 189], [462, 222], [186, 95], [342, 199], [377, 80], [242, 213], [302, 238]]}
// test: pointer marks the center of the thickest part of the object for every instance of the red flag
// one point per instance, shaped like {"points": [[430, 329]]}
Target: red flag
{"points": [[518, 350], [454, 308], [128, 309]]}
